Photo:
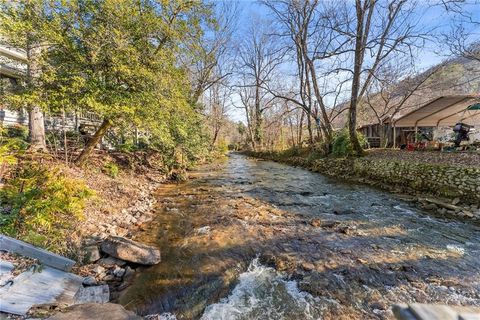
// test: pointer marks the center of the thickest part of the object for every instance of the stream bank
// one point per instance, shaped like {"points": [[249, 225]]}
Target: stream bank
{"points": [[123, 204], [346, 250]]}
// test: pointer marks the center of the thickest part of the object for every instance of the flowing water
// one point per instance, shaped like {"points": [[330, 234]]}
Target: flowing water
{"points": [[264, 293], [329, 249]]}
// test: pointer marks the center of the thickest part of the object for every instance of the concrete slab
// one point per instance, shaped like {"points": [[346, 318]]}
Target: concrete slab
{"points": [[37, 287]]}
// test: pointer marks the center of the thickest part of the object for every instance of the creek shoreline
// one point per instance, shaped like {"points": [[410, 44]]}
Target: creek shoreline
{"points": [[357, 267], [436, 202], [284, 245], [123, 206]]}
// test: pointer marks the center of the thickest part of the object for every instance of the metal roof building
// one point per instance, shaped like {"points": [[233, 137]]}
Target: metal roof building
{"points": [[442, 111]]}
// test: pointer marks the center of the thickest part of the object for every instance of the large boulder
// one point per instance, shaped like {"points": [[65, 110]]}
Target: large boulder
{"points": [[89, 311], [131, 251]]}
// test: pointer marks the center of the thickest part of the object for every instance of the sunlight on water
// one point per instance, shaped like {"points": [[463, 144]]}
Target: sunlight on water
{"points": [[263, 293]]}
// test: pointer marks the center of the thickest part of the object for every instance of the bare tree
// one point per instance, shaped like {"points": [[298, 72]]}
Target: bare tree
{"points": [[214, 51], [387, 96], [380, 29], [463, 38], [217, 102], [246, 96], [259, 59], [312, 39]]}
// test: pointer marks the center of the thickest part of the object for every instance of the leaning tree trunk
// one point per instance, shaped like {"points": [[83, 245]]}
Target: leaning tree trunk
{"points": [[97, 137], [36, 130]]}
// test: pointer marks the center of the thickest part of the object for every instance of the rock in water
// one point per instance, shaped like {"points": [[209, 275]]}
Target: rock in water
{"points": [[131, 251], [90, 311], [316, 222]]}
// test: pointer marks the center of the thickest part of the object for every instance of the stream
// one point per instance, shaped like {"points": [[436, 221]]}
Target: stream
{"points": [[252, 239]]}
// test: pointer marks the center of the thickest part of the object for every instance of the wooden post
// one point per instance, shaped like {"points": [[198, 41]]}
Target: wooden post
{"points": [[65, 136], [394, 136]]}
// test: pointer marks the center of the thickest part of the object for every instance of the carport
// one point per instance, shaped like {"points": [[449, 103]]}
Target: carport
{"points": [[442, 111]]}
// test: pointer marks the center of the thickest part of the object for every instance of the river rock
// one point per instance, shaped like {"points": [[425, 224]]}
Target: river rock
{"points": [[92, 253], [111, 262], [99, 270], [131, 251], [94, 294], [89, 281], [109, 277], [308, 266], [118, 272], [430, 206], [342, 211], [316, 222], [90, 311]]}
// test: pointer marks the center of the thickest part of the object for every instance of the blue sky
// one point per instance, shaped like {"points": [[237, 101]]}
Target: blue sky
{"points": [[430, 16]]}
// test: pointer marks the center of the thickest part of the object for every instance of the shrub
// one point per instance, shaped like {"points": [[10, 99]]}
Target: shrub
{"points": [[111, 169], [42, 206], [291, 152], [17, 131], [130, 146], [10, 148], [222, 147], [126, 147], [342, 147]]}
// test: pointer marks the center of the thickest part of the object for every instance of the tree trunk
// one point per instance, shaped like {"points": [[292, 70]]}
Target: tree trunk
{"points": [[357, 69], [258, 118], [215, 135], [97, 137], [383, 133], [258, 130], [300, 129], [36, 127], [310, 132], [36, 124], [249, 127], [352, 128], [326, 121]]}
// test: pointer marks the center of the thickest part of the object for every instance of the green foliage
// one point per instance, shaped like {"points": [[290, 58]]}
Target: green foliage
{"points": [[180, 137], [342, 147], [17, 131], [291, 152], [126, 61], [111, 169], [128, 146], [28, 24], [42, 206], [11, 144], [222, 147]]}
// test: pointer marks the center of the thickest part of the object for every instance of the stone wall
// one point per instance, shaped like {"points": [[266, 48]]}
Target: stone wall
{"points": [[441, 180]]}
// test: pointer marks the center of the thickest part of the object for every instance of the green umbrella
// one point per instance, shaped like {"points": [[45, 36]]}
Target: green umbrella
{"points": [[475, 106]]}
